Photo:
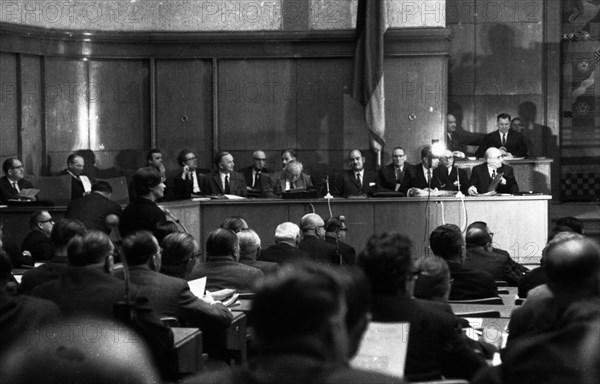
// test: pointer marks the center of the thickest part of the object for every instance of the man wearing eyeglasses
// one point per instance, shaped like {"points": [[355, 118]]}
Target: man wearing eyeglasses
{"points": [[187, 183], [493, 175], [392, 176], [13, 181], [37, 246], [313, 240], [257, 174]]}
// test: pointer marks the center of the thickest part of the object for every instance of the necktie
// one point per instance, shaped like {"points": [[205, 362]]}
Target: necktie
{"points": [[503, 139], [428, 176], [227, 191], [16, 186], [398, 175], [293, 185], [358, 179], [255, 181], [493, 174]]}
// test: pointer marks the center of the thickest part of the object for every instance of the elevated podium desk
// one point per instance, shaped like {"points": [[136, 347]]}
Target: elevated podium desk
{"points": [[519, 223]]}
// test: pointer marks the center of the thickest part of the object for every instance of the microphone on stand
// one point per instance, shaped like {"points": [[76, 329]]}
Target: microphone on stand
{"points": [[175, 219], [122, 310], [459, 193], [328, 195]]}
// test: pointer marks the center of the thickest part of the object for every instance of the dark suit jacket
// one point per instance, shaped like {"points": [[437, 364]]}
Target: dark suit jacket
{"points": [[532, 319], [495, 264], [77, 189], [263, 179], [530, 280], [481, 179], [447, 180], [39, 245], [416, 179], [183, 189], [224, 272], [319, 250], [276, 183], [212, 184], [171, 296], [43, 274], [346, 251], [265, 266], [455, 143], [21, 315], [515, 144], [282, 253], [346, 185], [387, 177], [470, 284], [8, 192], [436, 343], [92, 210], [142, 214]]}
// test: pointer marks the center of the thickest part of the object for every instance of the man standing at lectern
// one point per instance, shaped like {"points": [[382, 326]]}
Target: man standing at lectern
{"points": [[507, 140], [493, 175]]}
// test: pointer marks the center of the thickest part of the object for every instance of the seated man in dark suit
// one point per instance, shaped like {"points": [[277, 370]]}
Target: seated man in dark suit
{"points": [[222, 267], [492, 176], [335, 233], [143, 213], [285, 249], [20, 314], [510, 142], [436, 344], [61, 234], [299, 320], [80, 184], [446, 241], [426, 174], [224, 180], [292, 178], [37, 243], [167, 295], [180, 253], [313, 240], [356, 181], [93, 209], [257, 175], [13, 181], [250, 249], [451, 177], [392, 177], [188, 182]]}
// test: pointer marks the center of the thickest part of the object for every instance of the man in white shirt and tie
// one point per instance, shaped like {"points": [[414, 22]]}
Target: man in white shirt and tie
{"points": [[357, 181], [510, 142], [188, 183], [13, 181], [80, 184], [257, 174], [493, 175], [224, 180]]}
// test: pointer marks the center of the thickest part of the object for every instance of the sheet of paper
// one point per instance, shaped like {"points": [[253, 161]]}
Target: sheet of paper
{"points": [[383, 348], [198, 286]]}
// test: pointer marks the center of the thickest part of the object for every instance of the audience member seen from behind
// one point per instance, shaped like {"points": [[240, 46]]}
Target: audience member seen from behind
{"points": [[37, 246], [313, 240], [335, 233], [437, 346], [164, 228], [250, 250], [301, 339], [446, 241], [61, 234], [434, 280], [285, 249], [180, 253], [93, 209], [222, 268], [234, 223]]}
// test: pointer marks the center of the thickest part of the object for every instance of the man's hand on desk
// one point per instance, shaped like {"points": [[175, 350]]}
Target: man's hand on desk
{"points": [[472, 190]]}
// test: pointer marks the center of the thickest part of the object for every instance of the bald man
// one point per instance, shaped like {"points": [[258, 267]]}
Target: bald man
{"points": [[313, 240], [493, 175], [356, 181], [257, 174]]}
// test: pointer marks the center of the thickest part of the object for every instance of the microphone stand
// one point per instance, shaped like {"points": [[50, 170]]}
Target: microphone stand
{"points": [[459, 193], [176, 220], [122, 310]]}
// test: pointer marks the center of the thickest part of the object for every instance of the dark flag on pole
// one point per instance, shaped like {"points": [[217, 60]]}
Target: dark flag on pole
{"points": [[367, 85]]}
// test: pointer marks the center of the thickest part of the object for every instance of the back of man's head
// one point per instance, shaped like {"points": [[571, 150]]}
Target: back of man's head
{"points": [[102, 186], [91, 248], [478, 224], [64, 231], [179, 252], [139, 248], [573, 267], [249, 242], [234, 223], [288, 232], [34, 219], [387, 262], [575, 224], [295, 302], [447, 242], [144, 179], [477, 237], [310, 222], [434, 279], [222, 242]]}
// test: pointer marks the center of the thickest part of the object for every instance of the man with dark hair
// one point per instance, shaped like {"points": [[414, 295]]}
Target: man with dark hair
{"points": [[447, 242], [13, 181], [167, 295], [222, 268], [187, 183], [335, 233], [37, 243], [143, 213], [154, 158], [61, 234], [570, 222], [436, 344], [299, 318], [257, 175], [19, 314], [313, 240], [392, 177], [510, 142], [493, 175], [356, 181], [224, 180], [285, 249], [80, 184], [180, 253], [426, 174], [516, 268], [480, 256], [93, 209]]}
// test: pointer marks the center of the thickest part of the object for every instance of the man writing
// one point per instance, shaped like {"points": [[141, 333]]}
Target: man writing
{"points": [[493, 175]]}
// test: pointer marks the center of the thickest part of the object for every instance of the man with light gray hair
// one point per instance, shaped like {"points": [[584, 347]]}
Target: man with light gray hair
{"points": [[313, 240], [285, 249], [250, 250]]}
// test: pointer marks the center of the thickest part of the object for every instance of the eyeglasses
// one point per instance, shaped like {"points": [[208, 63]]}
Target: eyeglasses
{"points": [[17, 167], [190, 158], [46, 221], [260, 159]]}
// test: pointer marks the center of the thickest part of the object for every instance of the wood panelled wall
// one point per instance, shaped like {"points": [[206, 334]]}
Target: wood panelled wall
{"points": [[119, 94]]}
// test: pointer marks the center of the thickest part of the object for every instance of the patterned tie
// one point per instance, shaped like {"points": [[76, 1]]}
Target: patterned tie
{"points": [[227, 191]]}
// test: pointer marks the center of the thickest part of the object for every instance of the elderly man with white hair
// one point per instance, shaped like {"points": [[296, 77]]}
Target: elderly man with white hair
{"points": [[285, 249], [292, 178], [493, 175]]}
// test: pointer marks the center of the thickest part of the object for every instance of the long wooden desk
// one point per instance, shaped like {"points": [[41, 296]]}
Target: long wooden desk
{"points": [[520, 223]]}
